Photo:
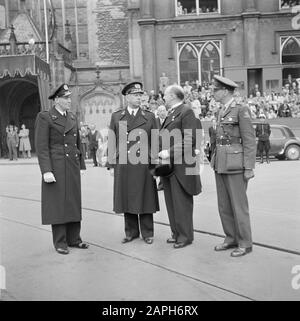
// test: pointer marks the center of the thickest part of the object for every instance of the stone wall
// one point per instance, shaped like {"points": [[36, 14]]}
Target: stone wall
{"points": [[112, 33]]}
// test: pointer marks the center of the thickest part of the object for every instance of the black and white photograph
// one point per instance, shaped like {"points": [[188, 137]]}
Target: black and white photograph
{"points": [[149, 153]]}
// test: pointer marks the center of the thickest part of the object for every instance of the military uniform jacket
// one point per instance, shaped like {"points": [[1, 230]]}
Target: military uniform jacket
{"points": [[58, 149], [235, 127], [183, 118], [135, 188]]}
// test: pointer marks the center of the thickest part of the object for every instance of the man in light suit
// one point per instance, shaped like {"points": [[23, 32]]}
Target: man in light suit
{"points": [[180, 187], [233, 161]]}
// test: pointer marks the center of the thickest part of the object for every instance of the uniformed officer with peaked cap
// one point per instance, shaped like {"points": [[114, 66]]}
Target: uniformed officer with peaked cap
{"points": [[233, 161], [60, 159], [135, 191]]}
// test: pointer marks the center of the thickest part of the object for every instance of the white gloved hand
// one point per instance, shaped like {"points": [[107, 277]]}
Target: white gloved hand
{"points": [[111, 171], [49, 178], [164, 154]]}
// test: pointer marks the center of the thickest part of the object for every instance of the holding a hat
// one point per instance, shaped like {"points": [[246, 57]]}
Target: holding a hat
{"points": [[135, 191], [60, 159], [233, 161]]}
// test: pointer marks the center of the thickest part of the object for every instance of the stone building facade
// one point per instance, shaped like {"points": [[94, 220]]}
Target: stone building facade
{"points": [[99, 45]]}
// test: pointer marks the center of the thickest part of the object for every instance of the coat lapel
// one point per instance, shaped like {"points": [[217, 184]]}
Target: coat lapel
{"points": [[172, 117], [228, 110], [70, 122], [139, 120], [57, 118]]}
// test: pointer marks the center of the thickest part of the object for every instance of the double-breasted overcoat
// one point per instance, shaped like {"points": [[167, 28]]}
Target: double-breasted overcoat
{"points": [[135, 188], [58, 149]]}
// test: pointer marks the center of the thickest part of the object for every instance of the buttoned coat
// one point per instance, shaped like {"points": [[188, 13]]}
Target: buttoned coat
{"points": [[57, 142], [234, 124], [135, 189], [183, 119]]}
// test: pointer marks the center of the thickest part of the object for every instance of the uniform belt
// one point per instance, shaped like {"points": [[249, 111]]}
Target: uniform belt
{"points": [[229, 141]]}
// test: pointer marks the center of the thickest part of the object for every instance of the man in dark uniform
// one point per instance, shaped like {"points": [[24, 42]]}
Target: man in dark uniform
{"points": [[135, 191], [233, 162], [263, 132], [57, 142], [181, 185]]}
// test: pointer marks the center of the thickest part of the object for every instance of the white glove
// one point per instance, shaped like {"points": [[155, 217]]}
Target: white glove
{"points": [[82, 172], [111, 171], [49, 177], [164, 154]]}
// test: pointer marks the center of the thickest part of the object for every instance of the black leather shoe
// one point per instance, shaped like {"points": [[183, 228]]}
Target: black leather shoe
{"points": [[179, 245], [81, 245], [171, 240], [225, 246], [128, 239], [62, 251], [148, 240], [240, 251]]}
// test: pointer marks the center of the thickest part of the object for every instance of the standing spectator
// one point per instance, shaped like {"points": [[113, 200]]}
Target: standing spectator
{"points": [[24, 145], [58, 149], [212, 132], [263, 132], [12, 140], [160, 119], [84, 139], [93, 143], [187, 88]]}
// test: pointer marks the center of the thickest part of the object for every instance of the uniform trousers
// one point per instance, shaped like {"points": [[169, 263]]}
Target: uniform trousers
{"points": [[139, 223], [66, 234], [234, 209], [180, 210]]}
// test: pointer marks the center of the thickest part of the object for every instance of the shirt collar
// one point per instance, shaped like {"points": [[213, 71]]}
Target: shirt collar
{"points": [[175, 106], [228, 103], [63, 113], [130, 110]]}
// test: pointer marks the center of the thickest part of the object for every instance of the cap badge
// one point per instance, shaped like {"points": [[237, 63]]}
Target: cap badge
{"points": [[66, 87]]}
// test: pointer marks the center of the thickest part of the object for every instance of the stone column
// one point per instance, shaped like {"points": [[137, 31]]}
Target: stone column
{"points": [[147, 8], [149, 54], [135, 44], [7, 13]]}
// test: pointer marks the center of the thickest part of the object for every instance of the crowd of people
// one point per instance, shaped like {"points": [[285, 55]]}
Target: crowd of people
{"points": [[17, 142], [201, 99]]}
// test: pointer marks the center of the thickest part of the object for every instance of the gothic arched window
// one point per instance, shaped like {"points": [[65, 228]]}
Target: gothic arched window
{"points": [[291, 51], [188, 64], [210, 62]]}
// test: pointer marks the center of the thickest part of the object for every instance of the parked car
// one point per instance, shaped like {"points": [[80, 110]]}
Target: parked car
{"points": [[284, 143]]}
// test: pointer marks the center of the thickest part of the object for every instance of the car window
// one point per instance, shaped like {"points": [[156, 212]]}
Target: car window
{"points": [[277, 133]]}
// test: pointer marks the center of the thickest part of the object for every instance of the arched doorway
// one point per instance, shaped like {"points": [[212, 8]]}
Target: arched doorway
{"points": [[19, 104], [97, 106]]}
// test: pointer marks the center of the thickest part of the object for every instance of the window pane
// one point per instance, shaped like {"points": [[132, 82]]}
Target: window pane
{"points": [[291, 52], [276, 133], [206, 6], [210, 63], [188, 64], [186, 7]]}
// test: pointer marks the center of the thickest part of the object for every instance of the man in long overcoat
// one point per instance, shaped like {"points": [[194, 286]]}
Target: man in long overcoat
{"points": [[181, 186], [233, 161], [60, 159], [129, 141]]}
